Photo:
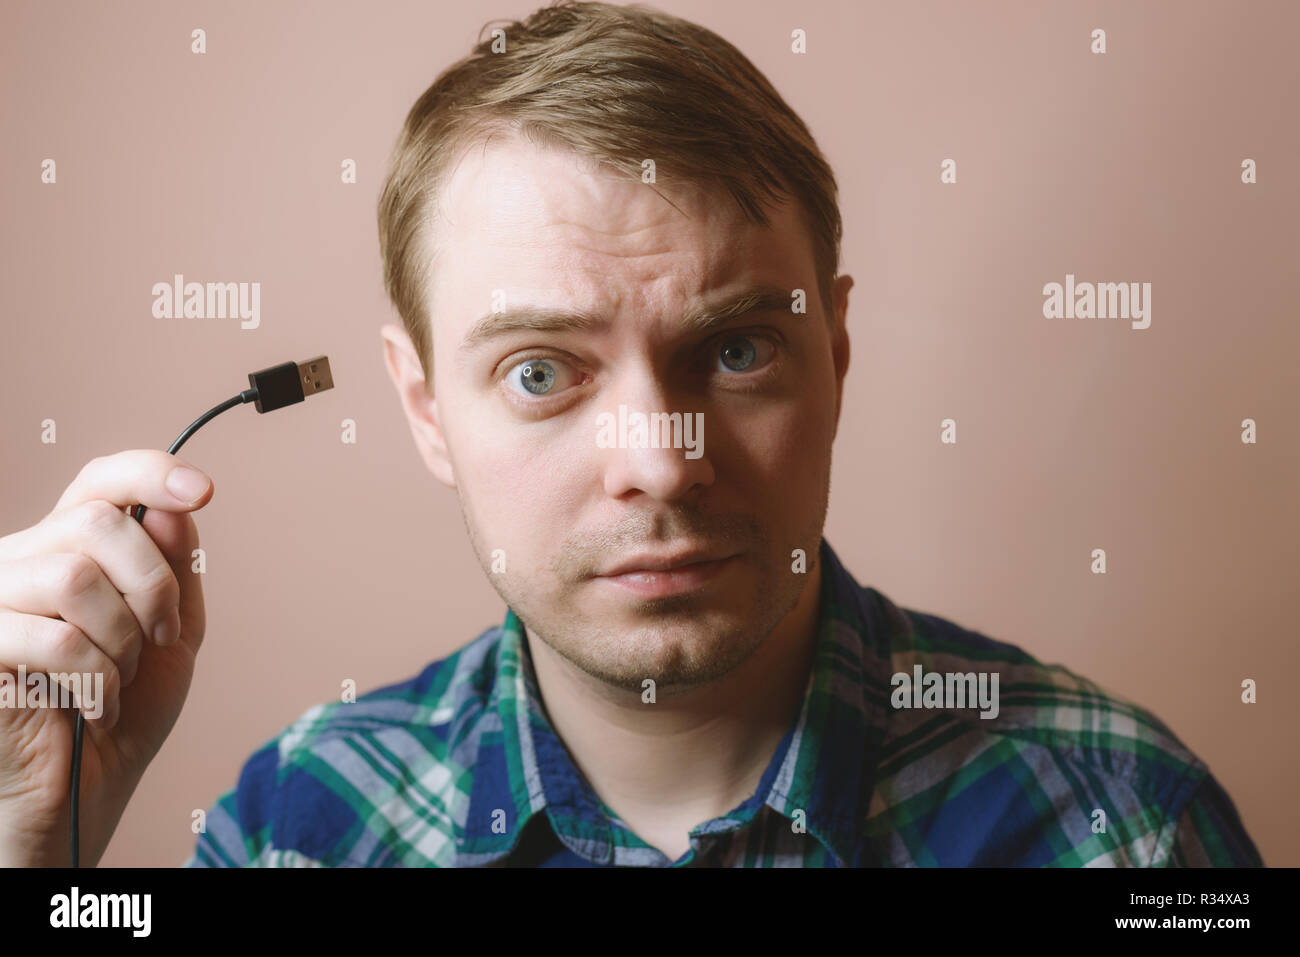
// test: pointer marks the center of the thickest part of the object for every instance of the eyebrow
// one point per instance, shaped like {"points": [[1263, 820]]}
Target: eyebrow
{"points": [[708, 315]]}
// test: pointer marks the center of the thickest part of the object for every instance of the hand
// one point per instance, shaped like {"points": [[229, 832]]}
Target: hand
{"points": [[90, 589]]}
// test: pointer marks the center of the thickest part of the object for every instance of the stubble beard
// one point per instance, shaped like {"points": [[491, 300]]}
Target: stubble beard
{"points": [[681, 641]]}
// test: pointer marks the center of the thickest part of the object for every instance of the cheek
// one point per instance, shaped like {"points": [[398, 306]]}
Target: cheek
{"points": [[779, 446], [523, 483]]}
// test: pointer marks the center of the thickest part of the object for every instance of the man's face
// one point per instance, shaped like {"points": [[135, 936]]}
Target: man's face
{"points": [[519, 410]]}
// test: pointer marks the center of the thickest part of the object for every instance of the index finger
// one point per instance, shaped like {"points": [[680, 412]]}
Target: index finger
{"points": [[137, 477]]}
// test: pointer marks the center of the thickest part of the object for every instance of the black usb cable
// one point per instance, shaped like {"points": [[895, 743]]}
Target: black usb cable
{"points": [[269, 389]]}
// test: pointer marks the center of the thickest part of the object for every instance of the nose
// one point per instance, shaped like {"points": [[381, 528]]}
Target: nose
{"points": [[650, 447]]}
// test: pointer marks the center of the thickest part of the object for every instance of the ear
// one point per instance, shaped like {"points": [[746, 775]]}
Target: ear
{"points": [[417, 400], [840, 338]]}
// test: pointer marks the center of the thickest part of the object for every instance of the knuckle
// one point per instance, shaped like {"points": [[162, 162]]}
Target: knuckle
{"points": [[91, 467], [76, 575], [67, 642], [160, 580], [98, 516]]}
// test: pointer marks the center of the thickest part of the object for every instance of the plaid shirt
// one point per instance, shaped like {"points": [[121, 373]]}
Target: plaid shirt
{"points": [[460, 767]]}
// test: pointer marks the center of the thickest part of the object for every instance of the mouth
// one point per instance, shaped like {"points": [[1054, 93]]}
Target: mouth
{"points": [[660, 575]]}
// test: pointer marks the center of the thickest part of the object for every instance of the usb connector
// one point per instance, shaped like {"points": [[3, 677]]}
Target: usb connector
{"points": [[315, 375], [290, 382]]}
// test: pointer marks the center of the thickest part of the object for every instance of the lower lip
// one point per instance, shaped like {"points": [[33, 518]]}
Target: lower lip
{"points": [[672, 581]]}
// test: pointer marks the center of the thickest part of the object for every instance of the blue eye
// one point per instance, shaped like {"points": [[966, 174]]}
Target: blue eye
{"points": [[537, 376], [540, 378], [738, 354]]}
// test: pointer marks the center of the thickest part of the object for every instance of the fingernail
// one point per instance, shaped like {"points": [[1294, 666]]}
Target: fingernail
{"points": [[112, 711], [168, 631], [187, 484]]}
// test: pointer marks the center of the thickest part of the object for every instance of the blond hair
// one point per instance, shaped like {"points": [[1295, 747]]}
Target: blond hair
{"points": [[617, 85]]}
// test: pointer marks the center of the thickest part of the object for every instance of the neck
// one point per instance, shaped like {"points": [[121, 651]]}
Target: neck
{"points": [[691, 756]]}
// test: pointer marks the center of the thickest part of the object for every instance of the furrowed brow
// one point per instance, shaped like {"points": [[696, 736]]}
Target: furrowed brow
{"points": [[701, 318], [711, 315]]}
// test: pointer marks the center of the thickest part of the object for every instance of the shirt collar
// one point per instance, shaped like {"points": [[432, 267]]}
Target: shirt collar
{"points": [[824, 766]]}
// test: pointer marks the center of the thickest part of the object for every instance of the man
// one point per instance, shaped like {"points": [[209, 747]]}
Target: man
{"points": [[615, 251]]}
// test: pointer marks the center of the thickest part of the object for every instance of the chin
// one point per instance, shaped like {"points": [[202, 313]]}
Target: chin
{"points": [[694, 653]]}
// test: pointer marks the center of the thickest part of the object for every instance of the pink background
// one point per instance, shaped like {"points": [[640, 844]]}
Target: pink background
{"points": [[329, 561]]}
